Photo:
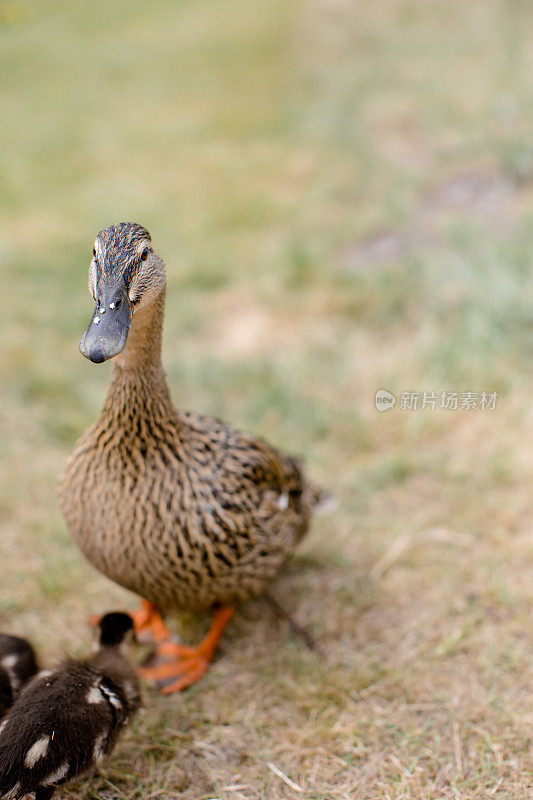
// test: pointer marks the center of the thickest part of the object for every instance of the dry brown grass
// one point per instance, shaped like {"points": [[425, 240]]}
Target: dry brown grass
{"points": [[425, 688]]}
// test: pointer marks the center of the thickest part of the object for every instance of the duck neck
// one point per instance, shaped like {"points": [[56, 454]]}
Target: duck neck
{"points": [[142, 353], [138, 386]]}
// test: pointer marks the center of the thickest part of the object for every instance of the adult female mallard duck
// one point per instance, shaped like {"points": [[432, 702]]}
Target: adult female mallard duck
{"points": [[182, 509]]}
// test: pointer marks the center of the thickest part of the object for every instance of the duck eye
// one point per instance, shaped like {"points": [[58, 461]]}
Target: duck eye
{"points": [[144, 254], [94, 252]]}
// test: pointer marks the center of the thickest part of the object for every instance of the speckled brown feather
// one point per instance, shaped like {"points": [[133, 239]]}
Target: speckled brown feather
{"points": [[180, 508]]}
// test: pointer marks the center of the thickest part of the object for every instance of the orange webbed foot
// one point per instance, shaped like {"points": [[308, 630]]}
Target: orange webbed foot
{"points": [[175, 666], [149, 624]]}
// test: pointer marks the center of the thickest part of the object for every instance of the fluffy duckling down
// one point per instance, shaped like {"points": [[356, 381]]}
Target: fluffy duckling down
{"points": [[68, 720], [17, 665]]}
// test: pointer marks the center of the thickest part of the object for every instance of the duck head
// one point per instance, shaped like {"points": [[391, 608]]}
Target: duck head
{"points": [[115, 629], [124, 275]]}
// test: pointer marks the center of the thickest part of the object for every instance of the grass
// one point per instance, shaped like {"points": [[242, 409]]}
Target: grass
{"points": [[344, 203]]}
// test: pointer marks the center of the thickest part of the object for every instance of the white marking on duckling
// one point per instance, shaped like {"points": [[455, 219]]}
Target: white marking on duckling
{"points": [[94, 695], [45, 673], [111, 305], [8, 662], [283, 502], [111, 696], [96, 320], [57, 775], [13, 792], [3, 724], [38, 750], [99, 751]]}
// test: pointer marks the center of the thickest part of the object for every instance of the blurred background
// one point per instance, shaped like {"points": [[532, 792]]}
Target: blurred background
{"points": [[343, 195]]}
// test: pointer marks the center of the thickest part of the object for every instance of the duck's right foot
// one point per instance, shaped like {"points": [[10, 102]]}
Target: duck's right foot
{"points": [[174, 666], [149, 624]]}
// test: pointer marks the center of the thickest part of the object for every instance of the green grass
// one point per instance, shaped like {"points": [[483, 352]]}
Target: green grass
{"points": [[272, 149]]}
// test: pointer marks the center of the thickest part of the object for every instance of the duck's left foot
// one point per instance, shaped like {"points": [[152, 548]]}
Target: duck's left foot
{"points": [[177, 667]]}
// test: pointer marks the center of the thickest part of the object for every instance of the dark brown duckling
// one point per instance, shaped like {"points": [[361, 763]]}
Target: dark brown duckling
{"points": [[66, 721], [17, 665]]}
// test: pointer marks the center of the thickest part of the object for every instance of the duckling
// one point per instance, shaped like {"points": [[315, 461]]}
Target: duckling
{"points": [[66, 721], [181, 508], [17, 665]]}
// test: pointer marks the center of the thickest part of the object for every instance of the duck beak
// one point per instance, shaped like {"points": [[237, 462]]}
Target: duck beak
{"points": [[107, 331]]}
